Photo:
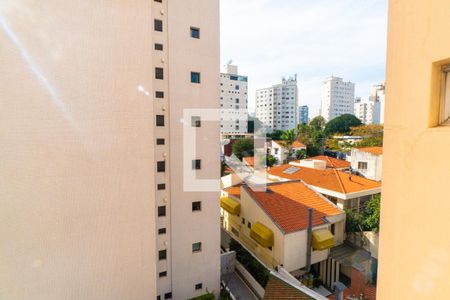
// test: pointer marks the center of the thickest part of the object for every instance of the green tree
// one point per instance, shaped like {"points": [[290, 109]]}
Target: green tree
{"points": [[244, 147], [372, 135], [289, 136], [271, 160], [318, 122], [313, 137], [368, 219], [276, 135], [371, 214], [342, 124], [301, 154]]}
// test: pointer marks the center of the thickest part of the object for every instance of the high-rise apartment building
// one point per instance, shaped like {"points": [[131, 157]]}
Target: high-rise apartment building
{"points": [[338, 98], [303, 114], [368, 109], [233, 101], [92, 199], [276, 106]]}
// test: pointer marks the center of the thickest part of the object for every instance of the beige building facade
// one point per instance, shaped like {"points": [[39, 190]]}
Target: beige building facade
{"points": [[92, 198], [414, 257]]}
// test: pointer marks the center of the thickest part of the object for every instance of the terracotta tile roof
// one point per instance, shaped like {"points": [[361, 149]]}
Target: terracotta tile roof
{"points": [[372, 150], [234, 191], [295, 144], [287, 205], [249, 160], [298, 144], [277, 289], [333, 162], [329, 179]]}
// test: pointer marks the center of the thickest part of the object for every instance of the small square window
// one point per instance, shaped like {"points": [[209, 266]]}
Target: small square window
{"points": [[159, 94], [444, 117], [197, 247], [196, 164], [159, 47], [196, 206], [196, 121], [195, 77], [159, 120], [160, 1], [162, 231], [158, 297], [161, 187], [163, 274], [161, 211], [158, 25], [161, 166], [249, 225], [159, 73], [162, 255], [160, 141], [195, 33], [362, 165], [198, 286], [168, 296]]}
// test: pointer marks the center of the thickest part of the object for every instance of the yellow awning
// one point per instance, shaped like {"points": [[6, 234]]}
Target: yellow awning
{"points": [[322, 239], [262, 235], [231, 206]]}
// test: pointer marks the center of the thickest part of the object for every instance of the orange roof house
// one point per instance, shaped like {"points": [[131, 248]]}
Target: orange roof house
{"points": [[338, 186], [332, 163], [287, 205], [271, 222], [372, 150]]}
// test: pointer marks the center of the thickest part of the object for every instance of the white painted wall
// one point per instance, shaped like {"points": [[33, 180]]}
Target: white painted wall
{"points": [[374, 164]]}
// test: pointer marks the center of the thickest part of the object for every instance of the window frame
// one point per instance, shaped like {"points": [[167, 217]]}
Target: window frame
{"points": [[162, 254], [444, 105], [197, 250], [198, 75], [199, 206], [162, 211], [159, 73], [161, 166], [158, 25], [196, 164], [195, 30], [160, 121]]}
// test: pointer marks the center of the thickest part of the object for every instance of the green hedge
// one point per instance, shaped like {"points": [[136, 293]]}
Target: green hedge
{"points": [[208, 296], [251, 264]]}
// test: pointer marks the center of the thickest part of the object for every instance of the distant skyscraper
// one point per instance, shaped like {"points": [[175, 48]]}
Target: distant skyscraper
{"points": [[370, 109], [276, 106], [233, 97], [303, 114], [338, 98], [367, 109]]}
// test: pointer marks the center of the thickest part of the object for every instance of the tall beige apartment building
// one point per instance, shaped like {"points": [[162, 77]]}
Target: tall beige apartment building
{"points": [[92, 202], [414, 257]]}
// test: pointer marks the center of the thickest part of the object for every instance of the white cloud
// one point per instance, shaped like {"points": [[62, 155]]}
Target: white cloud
{"points": [[270, 39]]}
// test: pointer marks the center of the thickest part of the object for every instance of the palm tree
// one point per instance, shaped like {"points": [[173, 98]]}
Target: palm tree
{"points": [[289, 137]]}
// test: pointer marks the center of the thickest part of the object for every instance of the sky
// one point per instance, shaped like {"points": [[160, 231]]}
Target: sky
{"points": [[271, 39]]}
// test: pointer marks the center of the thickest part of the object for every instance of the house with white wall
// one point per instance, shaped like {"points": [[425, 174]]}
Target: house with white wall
{"points": [[273, 224], [367, 162], [280, 150]]}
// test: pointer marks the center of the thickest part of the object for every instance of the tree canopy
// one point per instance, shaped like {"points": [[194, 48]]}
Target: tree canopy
{"points": [[318, 122], [342, 124], [244, 147]]}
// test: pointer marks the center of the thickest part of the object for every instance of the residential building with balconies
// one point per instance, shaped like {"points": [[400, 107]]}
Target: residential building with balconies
{"points": [[273, 225]]}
